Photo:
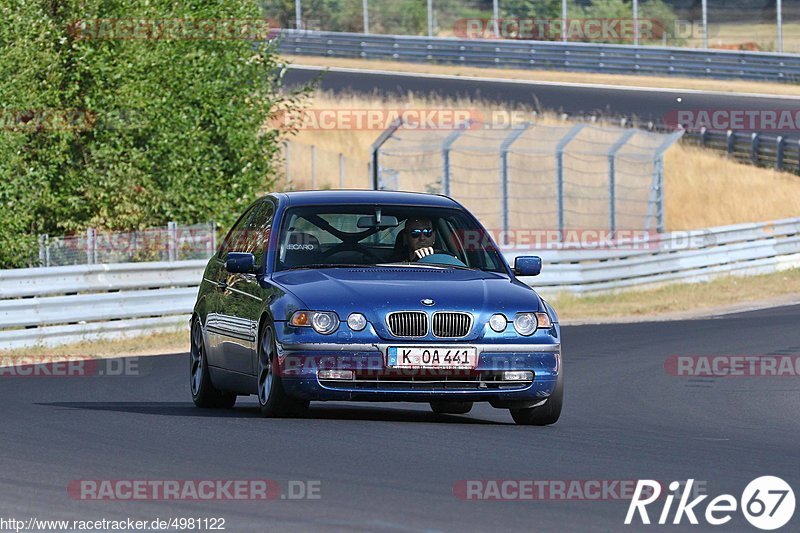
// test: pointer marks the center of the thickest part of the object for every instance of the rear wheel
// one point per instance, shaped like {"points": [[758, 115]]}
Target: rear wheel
{"points": [[545, 414], [272, 399], [451, 408], [204, 394]]}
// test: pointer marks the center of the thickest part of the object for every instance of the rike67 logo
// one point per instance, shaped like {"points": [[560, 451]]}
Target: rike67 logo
{"points": [[767, 503]]}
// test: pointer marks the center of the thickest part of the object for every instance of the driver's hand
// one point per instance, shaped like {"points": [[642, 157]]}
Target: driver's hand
{"points": [[422, 252]]}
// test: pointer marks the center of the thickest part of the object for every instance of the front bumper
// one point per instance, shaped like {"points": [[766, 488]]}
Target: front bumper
{"points": [[300, 363]]}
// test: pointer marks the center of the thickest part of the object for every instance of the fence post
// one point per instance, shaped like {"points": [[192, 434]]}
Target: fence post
{"points": [[754, 148], [41, 250], [374, 168], [612, 179], [730, 143], [341, 170], [504, 149], [779, 152], [46, 249], [560, 147], [90, 246], [703, 136], [447, 144], [172, 244], [313, 167], [287, 154]]}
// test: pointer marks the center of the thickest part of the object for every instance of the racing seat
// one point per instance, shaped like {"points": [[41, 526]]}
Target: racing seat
{"points": [[301, 249]]}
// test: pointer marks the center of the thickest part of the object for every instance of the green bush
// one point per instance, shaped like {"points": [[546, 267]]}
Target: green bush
{"points": [[168, 129]]}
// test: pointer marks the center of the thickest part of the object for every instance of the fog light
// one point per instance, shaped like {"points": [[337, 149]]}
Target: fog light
{"points": [[518, 375], [336, 374]]}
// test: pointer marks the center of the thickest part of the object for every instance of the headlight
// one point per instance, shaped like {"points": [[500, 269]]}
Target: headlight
{"points": [[357, 321], [324, 322], [525, 323], [498, 322]]}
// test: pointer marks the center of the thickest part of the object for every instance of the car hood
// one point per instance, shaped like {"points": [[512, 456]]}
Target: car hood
{"points": [[377, 291]]}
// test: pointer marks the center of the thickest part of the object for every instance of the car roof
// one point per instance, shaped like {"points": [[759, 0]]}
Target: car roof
{"points": [[296, 198]]}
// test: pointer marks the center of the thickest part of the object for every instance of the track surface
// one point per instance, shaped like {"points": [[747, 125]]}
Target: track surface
{"points": [[647, 104], [392, 467]]}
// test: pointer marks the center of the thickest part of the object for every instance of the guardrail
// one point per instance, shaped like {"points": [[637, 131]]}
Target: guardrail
{"points": [[582, 57], [58, 305]]}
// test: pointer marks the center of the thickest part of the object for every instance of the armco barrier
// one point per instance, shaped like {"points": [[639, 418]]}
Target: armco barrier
{"points": [[582, 57], [56, 305]]}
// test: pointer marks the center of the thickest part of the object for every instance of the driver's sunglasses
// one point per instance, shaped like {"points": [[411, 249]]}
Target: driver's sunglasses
{"points": [[417, 232]]}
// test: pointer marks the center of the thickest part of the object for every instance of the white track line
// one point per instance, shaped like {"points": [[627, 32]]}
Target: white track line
{"points": [[542, 83]]}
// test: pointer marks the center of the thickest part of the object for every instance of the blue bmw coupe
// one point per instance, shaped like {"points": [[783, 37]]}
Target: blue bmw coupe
{"points": [[372, 296]]}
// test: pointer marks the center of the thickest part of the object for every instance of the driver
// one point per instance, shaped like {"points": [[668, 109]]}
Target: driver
{"points": [[419, 238]]}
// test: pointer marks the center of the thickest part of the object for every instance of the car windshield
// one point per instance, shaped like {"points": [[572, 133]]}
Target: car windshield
{"points": [[367, 235]]}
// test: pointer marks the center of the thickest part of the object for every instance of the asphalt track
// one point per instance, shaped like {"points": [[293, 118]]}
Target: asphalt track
{"points": [[392, 467], [641, 102]]}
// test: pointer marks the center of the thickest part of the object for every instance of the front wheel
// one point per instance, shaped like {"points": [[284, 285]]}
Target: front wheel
{"points": [[272, 399], [545, 414], [204, 394]]}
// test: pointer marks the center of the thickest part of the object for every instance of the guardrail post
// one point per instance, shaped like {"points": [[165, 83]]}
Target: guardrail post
{"points": [[447, 144], [730, 143], [779, 152], [703, 136], [560, 147], [754, 138], [504, 149], [375, 170], [612, 179]]}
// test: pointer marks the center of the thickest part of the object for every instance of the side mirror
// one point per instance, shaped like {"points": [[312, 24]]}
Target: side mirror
{"points": [[240, 263], [528, 265]]}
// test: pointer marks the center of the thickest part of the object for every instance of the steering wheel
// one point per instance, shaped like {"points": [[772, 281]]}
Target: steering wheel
{"points": [[441, 259]]}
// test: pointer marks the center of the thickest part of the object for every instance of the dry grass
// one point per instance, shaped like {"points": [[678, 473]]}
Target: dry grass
{"points": [[762, 33], [703, 188], [733, 86], [152, 344], [674, 298]]}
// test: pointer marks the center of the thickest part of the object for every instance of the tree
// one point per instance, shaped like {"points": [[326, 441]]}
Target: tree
{"points": [[128, 133]]}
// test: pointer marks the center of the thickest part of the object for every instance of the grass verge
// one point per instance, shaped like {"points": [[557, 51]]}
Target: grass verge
{"points": [[726, 293], [152, 344]]}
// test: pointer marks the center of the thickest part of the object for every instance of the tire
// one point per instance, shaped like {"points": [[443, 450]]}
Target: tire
{"points": [[545, 414], [204, 394], [272, 399], [451, 408]]}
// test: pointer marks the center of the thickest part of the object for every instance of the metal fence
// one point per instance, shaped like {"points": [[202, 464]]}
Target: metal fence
{"points": [[531, 55], [307, 166], [171, 243], [58, 305], [534, 175]]}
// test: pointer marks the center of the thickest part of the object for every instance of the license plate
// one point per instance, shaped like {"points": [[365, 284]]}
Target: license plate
{"points": [[432, 357]]}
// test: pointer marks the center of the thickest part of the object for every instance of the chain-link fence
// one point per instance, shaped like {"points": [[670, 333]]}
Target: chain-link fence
{"points": [[534, 176], [171, 243], [768, 25], [307, 166]]}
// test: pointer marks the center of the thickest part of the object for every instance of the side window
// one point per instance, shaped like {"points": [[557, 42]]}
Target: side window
{"points": [[251, 233], [230, 239]]}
